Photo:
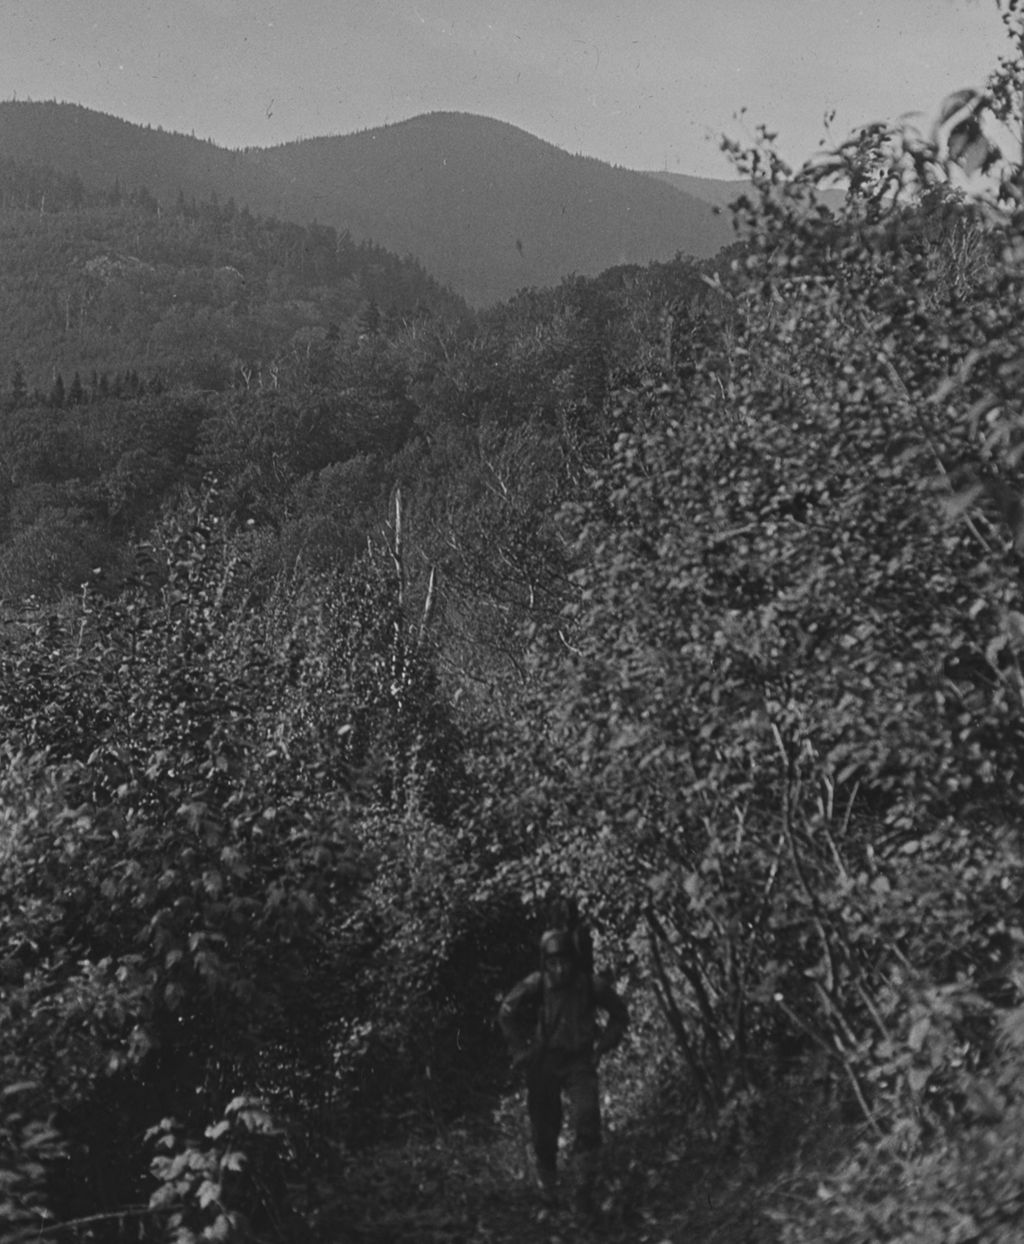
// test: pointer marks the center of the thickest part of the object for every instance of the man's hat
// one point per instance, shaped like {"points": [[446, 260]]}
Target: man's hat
{"points": [[557, 942]]}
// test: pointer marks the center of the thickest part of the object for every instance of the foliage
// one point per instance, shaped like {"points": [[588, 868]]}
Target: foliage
{"points": [[965, 1187], [693, 593], [27, 1145], [201, 1186], [781, 757], [181, 849]]}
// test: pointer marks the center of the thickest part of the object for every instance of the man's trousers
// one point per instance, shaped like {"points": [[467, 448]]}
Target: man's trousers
{"points": [[558, 1072]]}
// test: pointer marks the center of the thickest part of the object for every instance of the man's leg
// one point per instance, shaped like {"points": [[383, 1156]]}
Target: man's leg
{"points": [[585, 1102], [544, 1104]]}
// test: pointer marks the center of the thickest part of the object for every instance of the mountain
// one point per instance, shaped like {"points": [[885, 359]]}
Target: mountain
{"points": [[717, 192], [720, 193], [489, 208], [484, 206], [106, 152]]}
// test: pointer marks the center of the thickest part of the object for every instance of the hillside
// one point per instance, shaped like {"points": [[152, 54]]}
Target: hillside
{"points": [[101, 282], [495, 208], [104, 151], [484, 206]]}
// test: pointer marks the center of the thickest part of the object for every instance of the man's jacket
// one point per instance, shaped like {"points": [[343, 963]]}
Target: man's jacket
{"points": [[536, 1017]]}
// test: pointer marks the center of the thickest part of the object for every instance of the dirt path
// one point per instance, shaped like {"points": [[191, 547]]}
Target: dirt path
{"points": [[478, 1188]]}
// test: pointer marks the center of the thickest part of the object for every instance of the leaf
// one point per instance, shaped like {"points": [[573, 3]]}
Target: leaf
{"points": [[1012, 1028], [956, 101], [984, 1101], [209, 1192], [968, 146], [22, 1086], [960, 502], [918, 1032], [220, 1229]]}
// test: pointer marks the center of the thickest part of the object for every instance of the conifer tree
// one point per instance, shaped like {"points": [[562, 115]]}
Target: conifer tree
{"points": [[19, 389]]}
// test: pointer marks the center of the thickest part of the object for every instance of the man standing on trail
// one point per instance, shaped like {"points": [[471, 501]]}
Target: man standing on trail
{"points": [[550, 1022]]}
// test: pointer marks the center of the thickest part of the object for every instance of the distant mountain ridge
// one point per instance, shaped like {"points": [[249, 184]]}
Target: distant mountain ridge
{"points": [[716, 191], [721, 193], [484, 206]]}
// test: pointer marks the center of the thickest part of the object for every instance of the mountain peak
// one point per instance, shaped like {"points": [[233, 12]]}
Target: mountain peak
{"points": [[490, 208]]}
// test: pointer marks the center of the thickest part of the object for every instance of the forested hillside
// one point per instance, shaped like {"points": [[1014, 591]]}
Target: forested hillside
{"points": [[103, 150], [690, 592], [97, 284], [485, 207]]}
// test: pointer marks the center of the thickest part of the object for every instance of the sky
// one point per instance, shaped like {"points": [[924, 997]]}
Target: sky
{"points": [[651, 84]]}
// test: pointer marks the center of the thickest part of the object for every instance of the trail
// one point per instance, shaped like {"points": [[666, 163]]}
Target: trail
{"points": [[477, 1186]]}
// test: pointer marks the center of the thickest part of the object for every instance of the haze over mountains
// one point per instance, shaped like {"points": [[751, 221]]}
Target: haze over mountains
{"points": [[485, 207]]}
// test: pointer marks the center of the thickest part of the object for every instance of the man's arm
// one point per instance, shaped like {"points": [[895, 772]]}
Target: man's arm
{"points": [[618, 1017], [517, 1016]]}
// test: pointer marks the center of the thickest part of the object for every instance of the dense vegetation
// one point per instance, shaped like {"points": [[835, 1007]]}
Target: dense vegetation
{"points": [[695, 593]]}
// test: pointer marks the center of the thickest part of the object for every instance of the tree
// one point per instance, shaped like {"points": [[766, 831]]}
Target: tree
{"points": [[19, 389], [57, 393]]}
